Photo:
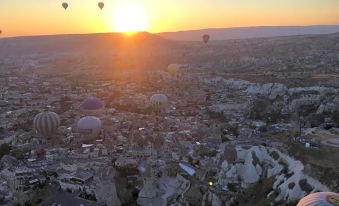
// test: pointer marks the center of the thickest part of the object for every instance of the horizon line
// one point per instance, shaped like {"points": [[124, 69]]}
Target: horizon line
{"points": [[177, 31]]}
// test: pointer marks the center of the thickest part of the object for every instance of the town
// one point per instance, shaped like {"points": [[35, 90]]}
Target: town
{"points": [[158, 122]]}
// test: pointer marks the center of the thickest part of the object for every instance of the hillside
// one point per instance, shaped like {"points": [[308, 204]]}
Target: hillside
{"points": [[80, 42], [249, 32]]}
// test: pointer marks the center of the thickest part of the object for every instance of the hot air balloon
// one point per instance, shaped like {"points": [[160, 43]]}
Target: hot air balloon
{"points": [[89, 126], [0, 31], [206, 38], [92, 105], [159, 103], [65, 5], [173, 69], [320, 199], [46, 123], [101, 5]]}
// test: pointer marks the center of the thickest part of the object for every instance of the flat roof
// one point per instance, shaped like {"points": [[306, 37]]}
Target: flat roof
{"points": [[66, 199]]}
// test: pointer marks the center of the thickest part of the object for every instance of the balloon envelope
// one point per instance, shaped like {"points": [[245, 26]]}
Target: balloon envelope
{"points": [[320, 199], [206, 38], [89, 126], [46, 123], [172, 68], [65, 5], [92, 104], [101, 5], [159, 102]]}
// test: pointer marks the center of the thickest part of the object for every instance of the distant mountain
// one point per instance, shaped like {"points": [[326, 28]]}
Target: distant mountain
{"points": [[80, 42], [249, 32]]}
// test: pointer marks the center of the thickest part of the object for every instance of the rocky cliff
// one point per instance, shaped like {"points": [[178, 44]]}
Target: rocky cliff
{"points": [[258, 162]]}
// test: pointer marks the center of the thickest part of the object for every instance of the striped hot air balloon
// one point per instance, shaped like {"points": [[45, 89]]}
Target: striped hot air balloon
{"points": [[46, 123], [159, 103], [320, 199]]}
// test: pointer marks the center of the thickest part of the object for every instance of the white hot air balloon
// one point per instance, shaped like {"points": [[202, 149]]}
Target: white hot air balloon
{"points": [[159, 103], [89, 126], [320, 199], [46, 123]]}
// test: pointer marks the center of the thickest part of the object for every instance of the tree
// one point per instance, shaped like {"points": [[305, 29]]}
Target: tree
{"points": [[4, 150], [316, 119], [18, 154], [259, 108], [301, 123]]}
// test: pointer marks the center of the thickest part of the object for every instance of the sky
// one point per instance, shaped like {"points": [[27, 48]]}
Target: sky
{"points": [[35, 17]]}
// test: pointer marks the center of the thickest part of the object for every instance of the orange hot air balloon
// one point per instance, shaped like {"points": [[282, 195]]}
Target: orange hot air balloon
{"points": [[65, 5], [101, 5], [206, 38]]}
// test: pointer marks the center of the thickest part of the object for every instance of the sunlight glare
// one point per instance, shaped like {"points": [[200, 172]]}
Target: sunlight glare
{"points": [[130, 18]]}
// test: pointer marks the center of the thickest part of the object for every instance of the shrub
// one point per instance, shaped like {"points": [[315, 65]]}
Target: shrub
{"points": [[4, 150]]}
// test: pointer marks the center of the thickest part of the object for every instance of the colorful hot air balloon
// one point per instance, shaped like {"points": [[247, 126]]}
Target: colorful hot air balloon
{"points": [[92, 105], [172, 68], [65, 5], [206, 38], [89, 126], [46, 123], [320, 199], [159, 103], [101, 5]]}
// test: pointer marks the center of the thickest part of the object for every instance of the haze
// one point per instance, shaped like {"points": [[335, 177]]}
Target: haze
{"points": [[32, 17], [169, 103]]}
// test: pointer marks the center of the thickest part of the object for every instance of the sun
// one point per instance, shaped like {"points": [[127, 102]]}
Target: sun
{"points": [[130, 18]]}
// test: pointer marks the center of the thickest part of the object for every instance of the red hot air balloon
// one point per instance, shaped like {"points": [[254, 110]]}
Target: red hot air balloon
{"points": [[206, 38], [65, 5], [320, 199], [101, 5]]}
